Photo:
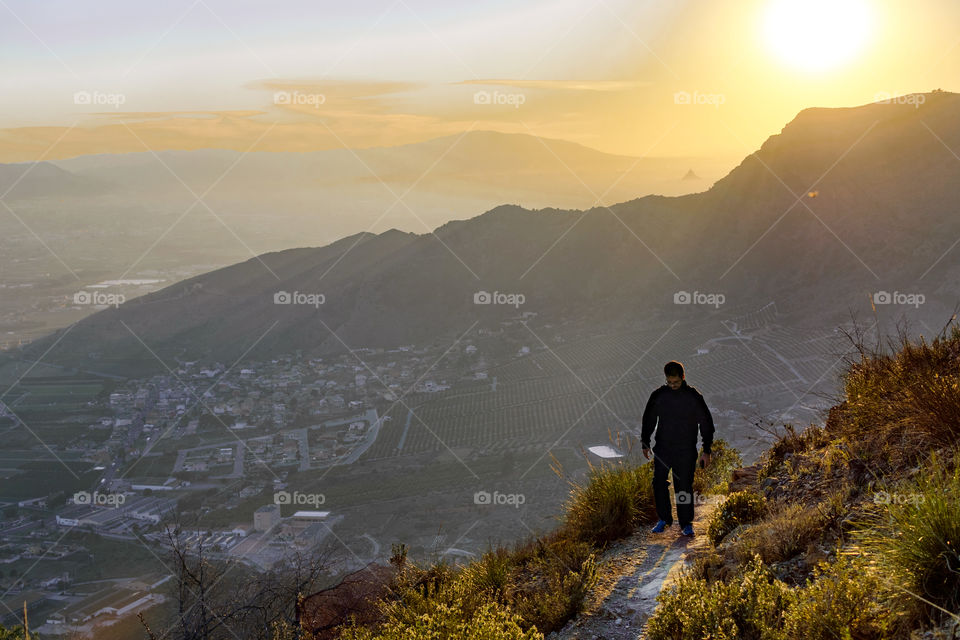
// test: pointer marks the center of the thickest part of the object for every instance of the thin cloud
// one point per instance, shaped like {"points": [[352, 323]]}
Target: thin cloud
{"points": [[302, 113], [564, 85]]}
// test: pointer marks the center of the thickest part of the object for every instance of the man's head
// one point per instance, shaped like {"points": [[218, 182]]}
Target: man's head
{"points": [[673, 370]]}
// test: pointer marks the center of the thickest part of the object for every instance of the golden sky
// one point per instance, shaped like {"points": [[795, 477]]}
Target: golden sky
{"points": [[684, 78]]}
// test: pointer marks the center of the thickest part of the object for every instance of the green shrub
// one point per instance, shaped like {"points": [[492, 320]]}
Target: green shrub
{"points": [[781, 535], [908, 398], [544, 581], [750, 607], [16, 633], [443, 603], [915, 535], [742, 507], [936, 400], [714, 478], [789, 441], [842, 600], [537, 586], [449, 618], [560, 595], [490, 575], [614, 499]]}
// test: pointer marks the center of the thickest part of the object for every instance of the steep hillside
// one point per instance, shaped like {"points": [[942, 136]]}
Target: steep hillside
{"points": [[846, 529]]}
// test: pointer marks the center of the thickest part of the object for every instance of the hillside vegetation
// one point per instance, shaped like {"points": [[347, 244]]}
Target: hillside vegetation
{"points": [[532, 588], [850, 529], [846, 530]]}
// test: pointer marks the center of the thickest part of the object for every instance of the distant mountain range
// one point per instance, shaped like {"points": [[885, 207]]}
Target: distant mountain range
{"points": [[524, 160], [843, 203], [20, 181], [80, 221], [274, 200], [347, 190]]}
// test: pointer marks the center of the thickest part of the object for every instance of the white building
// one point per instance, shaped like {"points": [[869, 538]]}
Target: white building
{"points": [[310, 516]]}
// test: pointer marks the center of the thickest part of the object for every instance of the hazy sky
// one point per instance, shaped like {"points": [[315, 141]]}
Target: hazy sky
{"points": [[84, 77]]}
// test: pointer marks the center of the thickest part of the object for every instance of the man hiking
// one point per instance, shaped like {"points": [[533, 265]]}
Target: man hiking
{"points": [[676, 410]]}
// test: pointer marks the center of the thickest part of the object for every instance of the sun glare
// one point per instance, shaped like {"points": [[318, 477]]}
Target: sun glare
{"points": [[816, 35]]}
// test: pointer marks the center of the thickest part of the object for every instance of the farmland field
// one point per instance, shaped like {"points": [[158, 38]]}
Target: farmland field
{"points": [[581, 390]]}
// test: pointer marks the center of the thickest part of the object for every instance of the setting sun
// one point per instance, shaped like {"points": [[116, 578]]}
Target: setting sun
{"points": [[815, 35]]}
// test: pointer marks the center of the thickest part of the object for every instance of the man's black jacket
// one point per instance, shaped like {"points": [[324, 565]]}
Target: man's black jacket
{"points": [[679, 412]]}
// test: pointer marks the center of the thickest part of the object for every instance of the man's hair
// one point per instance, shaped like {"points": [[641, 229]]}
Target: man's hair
{"points": [[673, 368]]}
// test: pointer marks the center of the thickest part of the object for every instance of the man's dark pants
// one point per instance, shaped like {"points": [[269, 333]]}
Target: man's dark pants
{"points": [[683, 462]]}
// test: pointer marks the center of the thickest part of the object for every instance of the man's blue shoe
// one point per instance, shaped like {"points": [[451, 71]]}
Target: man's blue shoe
{"points": [[687, 530], [660, 527]]}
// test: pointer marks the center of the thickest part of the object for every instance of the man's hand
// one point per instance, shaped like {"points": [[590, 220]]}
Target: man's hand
{"points": [[704, 460], [646, 452]]}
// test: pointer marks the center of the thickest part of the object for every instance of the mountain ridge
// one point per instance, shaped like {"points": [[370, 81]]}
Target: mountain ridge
{"points": [[604, 265]]}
